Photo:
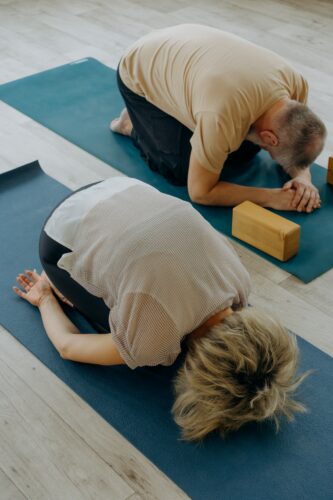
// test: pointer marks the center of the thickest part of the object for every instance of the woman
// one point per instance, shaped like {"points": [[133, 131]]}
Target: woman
{"points": [[148, 272]]}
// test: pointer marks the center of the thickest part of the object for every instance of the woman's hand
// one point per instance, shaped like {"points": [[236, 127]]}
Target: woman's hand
{"points": [[36, 287]]}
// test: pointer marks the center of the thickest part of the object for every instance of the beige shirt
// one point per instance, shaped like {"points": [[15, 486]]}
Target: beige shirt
{"points": [[213, 82], [159, 266]]}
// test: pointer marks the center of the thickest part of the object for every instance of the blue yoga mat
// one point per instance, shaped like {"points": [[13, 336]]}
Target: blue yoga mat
{"points": [[78, 100], [254, 463]]}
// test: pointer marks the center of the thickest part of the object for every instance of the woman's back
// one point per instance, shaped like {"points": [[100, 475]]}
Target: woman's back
{"points": [[153, 256]]}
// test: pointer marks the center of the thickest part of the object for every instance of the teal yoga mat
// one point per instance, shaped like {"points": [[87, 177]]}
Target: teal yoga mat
{"points": [[78, 100], [253, 464]]}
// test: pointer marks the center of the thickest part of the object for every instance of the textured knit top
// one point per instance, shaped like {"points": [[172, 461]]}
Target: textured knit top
{"points": [[159, 266], [215, 83]]}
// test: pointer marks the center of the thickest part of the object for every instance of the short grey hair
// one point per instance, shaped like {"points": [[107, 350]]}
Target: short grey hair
{"points": [[301, 135], [241, 370]]}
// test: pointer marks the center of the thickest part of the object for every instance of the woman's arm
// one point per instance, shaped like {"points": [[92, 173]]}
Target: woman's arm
{"points": [[64, 335]]}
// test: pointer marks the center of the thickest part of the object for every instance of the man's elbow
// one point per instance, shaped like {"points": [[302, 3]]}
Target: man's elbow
{"points": [[200, 196]]}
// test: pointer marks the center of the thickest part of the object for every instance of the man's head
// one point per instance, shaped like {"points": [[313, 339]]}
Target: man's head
{"points": [[241, 370], [292, 134]]}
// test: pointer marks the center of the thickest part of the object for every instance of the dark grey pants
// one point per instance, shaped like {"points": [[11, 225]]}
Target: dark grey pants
{"points": [[93, 308]]}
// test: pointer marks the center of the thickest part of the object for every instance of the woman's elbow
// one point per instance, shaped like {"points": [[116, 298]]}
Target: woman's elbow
{"points": [[63, 353], [64, 350]]}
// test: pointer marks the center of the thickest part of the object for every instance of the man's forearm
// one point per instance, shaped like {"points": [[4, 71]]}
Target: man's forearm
{"points": [[304, 173], [228, 194], [299, 172], [57, 325]]}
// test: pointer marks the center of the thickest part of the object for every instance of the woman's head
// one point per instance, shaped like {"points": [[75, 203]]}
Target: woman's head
{"points": [[241, 370]]}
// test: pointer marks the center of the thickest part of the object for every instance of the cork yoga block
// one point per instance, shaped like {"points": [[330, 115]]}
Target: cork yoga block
{"points": [[330, 170], [265, 230]]}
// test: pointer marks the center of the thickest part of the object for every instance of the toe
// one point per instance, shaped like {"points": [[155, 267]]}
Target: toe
{"points": [[114, 123]]}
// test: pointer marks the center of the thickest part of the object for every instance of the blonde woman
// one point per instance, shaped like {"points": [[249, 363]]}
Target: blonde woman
{"points": [[149, 272]]}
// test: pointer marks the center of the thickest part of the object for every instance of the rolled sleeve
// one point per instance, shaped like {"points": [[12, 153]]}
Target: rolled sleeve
{"points": [[301, 89], [143, 331]]}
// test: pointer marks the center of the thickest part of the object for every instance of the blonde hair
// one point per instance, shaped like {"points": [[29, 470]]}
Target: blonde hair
{"points": [[241, 370]]}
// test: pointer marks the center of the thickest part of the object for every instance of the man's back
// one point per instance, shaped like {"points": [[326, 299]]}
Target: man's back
{"points": [[213, 82]]}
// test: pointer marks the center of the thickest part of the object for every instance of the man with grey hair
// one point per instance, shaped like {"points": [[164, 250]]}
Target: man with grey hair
{"points": [[198, 98]]}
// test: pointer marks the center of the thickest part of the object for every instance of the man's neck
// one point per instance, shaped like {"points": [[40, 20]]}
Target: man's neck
{"points": [[264, 122]]}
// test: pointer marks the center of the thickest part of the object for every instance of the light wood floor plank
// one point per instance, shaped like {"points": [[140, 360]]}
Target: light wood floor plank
{"points": [[317, 293], [84, 422], [296, 314], [67, 465], [8, 489]]}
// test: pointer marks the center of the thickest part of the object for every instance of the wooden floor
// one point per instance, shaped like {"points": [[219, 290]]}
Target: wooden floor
{"points": [[52, 444]]}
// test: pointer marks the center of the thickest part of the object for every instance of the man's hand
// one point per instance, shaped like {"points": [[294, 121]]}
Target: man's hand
{"points": [[306, 196], [281, 199]]}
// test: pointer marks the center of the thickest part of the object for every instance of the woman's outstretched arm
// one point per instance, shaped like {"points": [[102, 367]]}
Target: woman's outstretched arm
{"points": [[64, 335]]}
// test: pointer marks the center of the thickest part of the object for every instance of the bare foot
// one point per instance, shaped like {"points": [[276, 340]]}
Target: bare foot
{"points": [[56, 291], [123, 124]]}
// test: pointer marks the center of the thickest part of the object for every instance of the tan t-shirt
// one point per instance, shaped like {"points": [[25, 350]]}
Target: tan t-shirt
{"points": [[213, 82]]}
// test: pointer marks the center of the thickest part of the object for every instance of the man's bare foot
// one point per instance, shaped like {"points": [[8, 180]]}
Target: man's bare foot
{"points": [[56, 291], [123, 124]]}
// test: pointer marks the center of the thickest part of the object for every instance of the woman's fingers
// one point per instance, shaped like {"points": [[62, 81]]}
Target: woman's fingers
{"points": [[28, 279], [33, 275], [25, 279], [19, 292], [66, 301], [28, 286], [24, 282]]}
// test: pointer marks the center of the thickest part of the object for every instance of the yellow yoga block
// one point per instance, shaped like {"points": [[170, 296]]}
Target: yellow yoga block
{"points": [[330, 170], [265, 230]]}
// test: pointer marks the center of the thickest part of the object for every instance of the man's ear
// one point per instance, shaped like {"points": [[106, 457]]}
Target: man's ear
{"points": [[268, 138]]}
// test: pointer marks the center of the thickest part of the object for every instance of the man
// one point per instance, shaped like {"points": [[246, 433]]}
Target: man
{"points": [[197, 97]]}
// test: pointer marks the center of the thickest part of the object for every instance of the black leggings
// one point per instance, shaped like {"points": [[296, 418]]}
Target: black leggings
{"points": [[164, 142], [93, 308]]}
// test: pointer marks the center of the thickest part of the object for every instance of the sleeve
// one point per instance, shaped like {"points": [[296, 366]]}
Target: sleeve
{"points": [[209, 142], [240, 277], [300, 89], [143, 331]]}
